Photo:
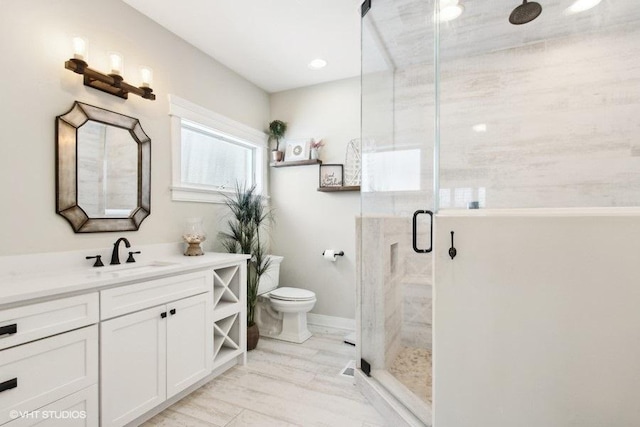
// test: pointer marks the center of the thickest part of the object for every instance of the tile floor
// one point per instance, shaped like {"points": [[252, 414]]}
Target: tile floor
{"points": [[282, 384]]}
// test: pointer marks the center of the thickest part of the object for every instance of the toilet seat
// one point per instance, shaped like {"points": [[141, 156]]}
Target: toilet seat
{"points": [[292, 294]]}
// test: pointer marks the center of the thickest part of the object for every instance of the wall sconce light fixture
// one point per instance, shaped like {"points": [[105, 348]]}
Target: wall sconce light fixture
{"points": [[111, 83]]}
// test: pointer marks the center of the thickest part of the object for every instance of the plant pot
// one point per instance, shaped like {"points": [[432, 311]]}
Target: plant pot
{"points": [[253, 335], [277, 156]]}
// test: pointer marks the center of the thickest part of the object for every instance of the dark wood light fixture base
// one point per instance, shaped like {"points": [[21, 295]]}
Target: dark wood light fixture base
{"points": [[112, 84]]}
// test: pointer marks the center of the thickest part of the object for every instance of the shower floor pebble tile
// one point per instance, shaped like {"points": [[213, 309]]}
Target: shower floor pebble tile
{"points": [[412, 367], [283, 384]]}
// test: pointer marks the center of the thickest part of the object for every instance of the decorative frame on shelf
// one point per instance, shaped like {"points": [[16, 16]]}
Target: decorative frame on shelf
{"points": [[331, 175], [298, 149]]}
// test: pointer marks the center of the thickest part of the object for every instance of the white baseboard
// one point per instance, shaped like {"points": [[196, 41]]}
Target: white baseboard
{"points": [[331, 321]]}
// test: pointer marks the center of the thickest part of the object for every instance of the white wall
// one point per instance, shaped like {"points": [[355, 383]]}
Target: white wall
{"points": [[35, 41], [536, 320], [308, 221]]}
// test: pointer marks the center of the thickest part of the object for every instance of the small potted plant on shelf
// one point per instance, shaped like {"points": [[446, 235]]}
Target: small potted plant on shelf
{"points": [[277, 129], [315, 149], [249, 216]]}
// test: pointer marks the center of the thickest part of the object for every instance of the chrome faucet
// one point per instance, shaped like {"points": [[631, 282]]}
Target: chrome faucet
{"points": [[115, 256]]}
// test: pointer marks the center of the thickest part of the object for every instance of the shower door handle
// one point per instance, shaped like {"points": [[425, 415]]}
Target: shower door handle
{"points": [[415, 231]]}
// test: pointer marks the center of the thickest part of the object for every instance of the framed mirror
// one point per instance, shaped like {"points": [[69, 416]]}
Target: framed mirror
{"points": [[103, 170]]}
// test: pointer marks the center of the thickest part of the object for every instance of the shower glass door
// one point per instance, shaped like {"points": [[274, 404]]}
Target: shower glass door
{"points": [[398, 128]]}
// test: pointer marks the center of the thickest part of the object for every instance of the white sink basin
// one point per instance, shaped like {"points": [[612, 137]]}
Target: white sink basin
{"points": [[133, 268]]}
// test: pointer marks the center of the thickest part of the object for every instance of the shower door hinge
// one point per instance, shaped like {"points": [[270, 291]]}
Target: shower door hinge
{"points": [[365, 7], [366, 367]]}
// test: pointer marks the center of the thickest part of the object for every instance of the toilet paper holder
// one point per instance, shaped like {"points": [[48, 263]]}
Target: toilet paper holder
{"points": [[341, 253]]}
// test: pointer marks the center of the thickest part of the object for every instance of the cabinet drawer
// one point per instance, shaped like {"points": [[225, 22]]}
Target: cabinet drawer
{"points": [[35, 321], [78, 410], [129, 298], [44, 371]]}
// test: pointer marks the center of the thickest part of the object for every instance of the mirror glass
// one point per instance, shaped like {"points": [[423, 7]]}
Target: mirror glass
{"points": [[107, 171], [103, 170]]}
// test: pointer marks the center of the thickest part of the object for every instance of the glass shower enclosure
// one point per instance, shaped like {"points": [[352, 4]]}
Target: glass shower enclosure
{"points": [[475, 112]]}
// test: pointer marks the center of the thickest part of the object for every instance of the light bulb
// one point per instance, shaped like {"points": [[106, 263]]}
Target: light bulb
{"points": [[79, 48], [146, 74], [116, 61]]}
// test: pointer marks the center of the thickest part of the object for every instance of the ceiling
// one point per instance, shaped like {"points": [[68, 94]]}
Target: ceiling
{"points": [[402, 31], [268, 42]]}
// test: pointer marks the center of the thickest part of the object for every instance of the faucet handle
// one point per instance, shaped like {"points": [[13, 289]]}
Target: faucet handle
{"points": [[130, 259], [98, 262]]}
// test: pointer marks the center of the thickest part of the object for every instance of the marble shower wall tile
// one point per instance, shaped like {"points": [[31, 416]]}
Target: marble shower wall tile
{"points": [[396, 296], [561, 117], [380, 289]]}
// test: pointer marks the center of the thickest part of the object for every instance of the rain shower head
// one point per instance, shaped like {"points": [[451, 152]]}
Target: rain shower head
{"points": [[526, 12]]}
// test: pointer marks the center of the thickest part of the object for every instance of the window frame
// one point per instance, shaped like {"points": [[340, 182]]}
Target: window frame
{"points": [[223, 127]]}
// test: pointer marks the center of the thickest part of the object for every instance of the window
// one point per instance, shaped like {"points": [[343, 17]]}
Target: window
{"points": [[212, 153], [209, 159]]}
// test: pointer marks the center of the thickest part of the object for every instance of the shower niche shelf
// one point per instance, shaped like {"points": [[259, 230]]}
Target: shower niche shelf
{"points": [[226, 339], [229, 314]]}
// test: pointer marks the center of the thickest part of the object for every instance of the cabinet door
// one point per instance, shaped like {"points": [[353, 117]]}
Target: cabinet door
{"points": [[189, 342], [133, 365]]}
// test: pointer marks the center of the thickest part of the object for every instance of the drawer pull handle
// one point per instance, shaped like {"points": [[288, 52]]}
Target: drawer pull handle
{"points": [[172, 311], [9, 329], [163, 314], [8, 385]]}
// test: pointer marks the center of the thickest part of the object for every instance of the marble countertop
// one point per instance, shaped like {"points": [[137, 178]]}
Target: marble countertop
{"points": [[22, 287]]}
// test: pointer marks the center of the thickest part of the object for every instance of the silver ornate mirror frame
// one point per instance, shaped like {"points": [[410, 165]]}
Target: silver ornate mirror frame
{"points": [[67, 169]]}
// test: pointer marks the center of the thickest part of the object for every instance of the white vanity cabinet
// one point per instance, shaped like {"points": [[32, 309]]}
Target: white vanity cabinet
{"points": [[113, 346], [150, 355], [49, 359]]}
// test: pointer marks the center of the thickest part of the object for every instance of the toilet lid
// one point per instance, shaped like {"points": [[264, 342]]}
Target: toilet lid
{"points": [[292, 294]]}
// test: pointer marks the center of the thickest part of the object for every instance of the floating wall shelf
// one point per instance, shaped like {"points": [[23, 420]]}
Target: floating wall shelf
{"points": [[338, 189], [296, 163]]}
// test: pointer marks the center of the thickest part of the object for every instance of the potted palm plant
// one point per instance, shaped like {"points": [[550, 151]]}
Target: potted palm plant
{"points": [[249, 218], [277, 129]]}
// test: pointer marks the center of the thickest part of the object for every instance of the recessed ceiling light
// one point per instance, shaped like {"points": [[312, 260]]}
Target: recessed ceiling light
{"points": [[581, 5], [317, 64]]}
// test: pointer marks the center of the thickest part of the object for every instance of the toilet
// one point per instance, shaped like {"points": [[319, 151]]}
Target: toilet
{"points": [[281, 313]]}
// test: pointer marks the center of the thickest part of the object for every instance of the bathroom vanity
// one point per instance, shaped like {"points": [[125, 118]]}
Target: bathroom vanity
{"points": [[115, 345]]}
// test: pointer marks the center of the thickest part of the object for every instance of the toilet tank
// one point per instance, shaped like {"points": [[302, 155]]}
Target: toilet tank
{"points": [[271, 278]]}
